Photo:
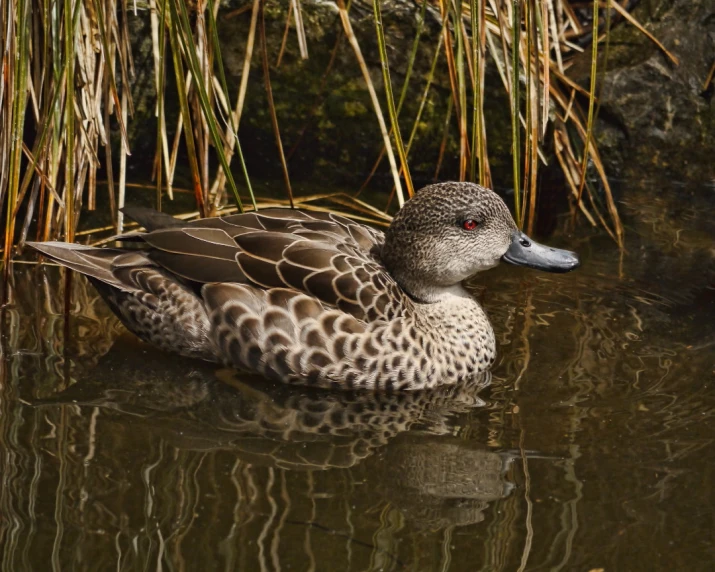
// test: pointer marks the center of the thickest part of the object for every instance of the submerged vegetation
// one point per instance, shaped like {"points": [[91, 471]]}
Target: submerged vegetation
{"points": [[68, 69]]}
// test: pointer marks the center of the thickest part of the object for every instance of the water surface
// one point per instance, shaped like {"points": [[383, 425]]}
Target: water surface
{"points": [[590, 446]]}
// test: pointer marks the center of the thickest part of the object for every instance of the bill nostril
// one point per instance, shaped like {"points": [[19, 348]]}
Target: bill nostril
{"points": [[525, 243]]}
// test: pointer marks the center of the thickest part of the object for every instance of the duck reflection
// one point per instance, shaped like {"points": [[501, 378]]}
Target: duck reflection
{"points": [[407, 440], [442, 481]]}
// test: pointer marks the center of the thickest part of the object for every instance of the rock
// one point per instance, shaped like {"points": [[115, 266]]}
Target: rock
{"points": [[328, 126], [330, 130], [656, 119]]}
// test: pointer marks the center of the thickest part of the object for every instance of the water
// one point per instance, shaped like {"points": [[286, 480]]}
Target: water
{"points": [[592, 448]]}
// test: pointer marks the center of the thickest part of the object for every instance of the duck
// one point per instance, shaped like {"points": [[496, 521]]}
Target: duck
{"points": [[315, 298]]}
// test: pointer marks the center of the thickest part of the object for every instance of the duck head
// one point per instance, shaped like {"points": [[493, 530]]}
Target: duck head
{"points": [[450, 231]]}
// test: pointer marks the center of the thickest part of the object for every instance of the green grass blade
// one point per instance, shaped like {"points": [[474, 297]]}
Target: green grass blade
{"points": [[478, 142], [428, 85], [160, 88], [103, 35], [403, 94], [413, 57], [182, 88], [19, 102], [391, 109], [206, 107], [515, 139], [44, 131], [69, 121], [213, 33], [355, 45], [591, 99]]}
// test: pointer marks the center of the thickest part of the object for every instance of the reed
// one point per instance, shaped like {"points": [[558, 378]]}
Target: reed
{"points": [[68, 68], [392, 110]]}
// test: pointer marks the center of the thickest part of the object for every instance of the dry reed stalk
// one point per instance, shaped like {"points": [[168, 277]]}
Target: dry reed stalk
{"points": [[423, 99], [271, 104], [161, 157], [217, 189], [67, 78], [709, 77], [461, 94], [392, 111], [532, 67], [300, 29], [350, 34], [445, 138], [202, 47], [591, 102], [623, 12], [183, 84], [479, 133], [403, 95], [284, 41]]}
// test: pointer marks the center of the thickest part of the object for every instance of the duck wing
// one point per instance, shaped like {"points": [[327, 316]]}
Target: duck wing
{"points": [[321, 254]]}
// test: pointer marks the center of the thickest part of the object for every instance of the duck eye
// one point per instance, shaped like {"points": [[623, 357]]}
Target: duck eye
{"points": [[469, 224]]}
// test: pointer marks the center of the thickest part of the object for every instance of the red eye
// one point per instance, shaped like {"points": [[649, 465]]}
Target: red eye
{"points": [[469, 224]]}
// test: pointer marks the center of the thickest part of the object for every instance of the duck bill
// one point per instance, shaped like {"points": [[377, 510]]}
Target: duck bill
{"points": [[525, 252]]}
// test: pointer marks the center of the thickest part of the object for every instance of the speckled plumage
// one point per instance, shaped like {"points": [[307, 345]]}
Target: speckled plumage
{"points": [[313, 298]]}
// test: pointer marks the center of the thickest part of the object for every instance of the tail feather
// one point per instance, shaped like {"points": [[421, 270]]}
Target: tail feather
{"points": [[94, 262], [150, 302]]}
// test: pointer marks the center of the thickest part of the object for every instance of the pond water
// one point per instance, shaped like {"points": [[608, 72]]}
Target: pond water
{"points": [[591, 446]]}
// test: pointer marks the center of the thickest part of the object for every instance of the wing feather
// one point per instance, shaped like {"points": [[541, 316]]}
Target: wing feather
{"points": [[260, 271], [233, 225], [322, 286], [198, 268], [309, 254], [266, 245], [320, 254], [294, 275], [205, 242]]}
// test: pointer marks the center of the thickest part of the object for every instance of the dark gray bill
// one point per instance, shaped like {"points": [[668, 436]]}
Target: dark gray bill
{"points": [[525, 252]]}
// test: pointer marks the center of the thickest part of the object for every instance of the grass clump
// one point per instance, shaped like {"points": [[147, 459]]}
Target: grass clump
{"points": [[69, 67]]}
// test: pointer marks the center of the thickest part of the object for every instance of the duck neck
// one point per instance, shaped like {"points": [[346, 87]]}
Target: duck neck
{"points": [[431, 293]]}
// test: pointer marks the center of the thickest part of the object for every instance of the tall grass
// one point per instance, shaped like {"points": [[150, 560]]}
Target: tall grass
{"points": [[68, 67]]}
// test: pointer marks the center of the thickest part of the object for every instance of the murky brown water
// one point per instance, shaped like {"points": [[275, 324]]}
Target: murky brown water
{"points": [[592, 447]]}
